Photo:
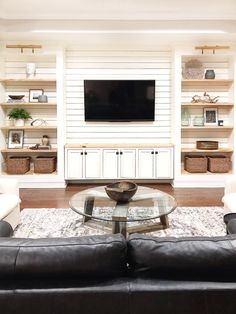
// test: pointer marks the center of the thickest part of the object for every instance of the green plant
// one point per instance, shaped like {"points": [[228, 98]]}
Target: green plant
{"points": [[19, 113]]}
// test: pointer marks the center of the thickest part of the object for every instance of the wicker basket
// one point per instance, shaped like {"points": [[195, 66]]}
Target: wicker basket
{"points": [[44, 164], [18, 165], [208, 145], [196, 163], [218, 164]]}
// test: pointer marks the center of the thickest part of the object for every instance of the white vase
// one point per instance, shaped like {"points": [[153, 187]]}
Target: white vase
{"points": [[19, 122], [30, 70]]}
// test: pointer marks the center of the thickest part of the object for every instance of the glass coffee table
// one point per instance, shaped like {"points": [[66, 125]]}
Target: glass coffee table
{"points": [[146, 204]]}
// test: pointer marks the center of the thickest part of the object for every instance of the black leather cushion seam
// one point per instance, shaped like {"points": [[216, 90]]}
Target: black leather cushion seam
{"points": [[182, 240], [58, 245], [16, 260]]}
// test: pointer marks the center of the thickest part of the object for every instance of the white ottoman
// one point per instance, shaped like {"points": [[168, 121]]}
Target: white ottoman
{"points": [[10, 209]]}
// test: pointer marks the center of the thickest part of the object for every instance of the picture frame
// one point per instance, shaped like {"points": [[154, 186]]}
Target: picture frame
{"points": [[34, 94], [210, 116], [15, 138]]}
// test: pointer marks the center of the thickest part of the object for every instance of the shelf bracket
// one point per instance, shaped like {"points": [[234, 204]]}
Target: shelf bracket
{"points": [[22, 47], [213, 48]]}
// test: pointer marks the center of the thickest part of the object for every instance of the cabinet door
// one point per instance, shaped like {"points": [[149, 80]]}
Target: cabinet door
{"points": [[110, 163], [127, 163], [74, 164], [164, 163], [92, 163], [146, 163]]}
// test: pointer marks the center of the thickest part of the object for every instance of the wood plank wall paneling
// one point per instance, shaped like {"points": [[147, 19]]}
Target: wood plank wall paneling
{"points": [[15, 67], [118, 64]]}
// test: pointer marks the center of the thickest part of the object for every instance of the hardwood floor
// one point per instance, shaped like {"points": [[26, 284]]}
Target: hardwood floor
{"points": [[59, 198]]}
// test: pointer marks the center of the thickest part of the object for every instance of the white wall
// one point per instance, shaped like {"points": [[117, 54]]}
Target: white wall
{"points": [[118, 64]]}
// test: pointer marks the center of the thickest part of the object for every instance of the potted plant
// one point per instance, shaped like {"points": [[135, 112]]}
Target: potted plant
{"points": [[19, 115]]}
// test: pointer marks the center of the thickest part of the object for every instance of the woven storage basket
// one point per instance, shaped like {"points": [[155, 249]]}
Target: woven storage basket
{"points": [[44, 164], [218, 164], [196, 163], [18, 165]]}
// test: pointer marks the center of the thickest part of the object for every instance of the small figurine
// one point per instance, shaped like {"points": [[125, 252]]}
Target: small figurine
{"points": [[205, 98]]}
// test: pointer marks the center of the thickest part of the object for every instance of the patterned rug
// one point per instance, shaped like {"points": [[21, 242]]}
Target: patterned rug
{"points": [[64, 222]]}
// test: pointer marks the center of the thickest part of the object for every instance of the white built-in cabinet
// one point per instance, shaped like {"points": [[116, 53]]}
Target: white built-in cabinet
{"points": [[118, 163], [83, 164], [155, 163]]}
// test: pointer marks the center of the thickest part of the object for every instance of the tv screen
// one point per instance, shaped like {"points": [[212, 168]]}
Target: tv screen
{"points": [[119, 100]]}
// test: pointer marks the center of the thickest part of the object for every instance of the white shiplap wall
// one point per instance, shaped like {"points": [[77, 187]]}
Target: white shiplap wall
{"points": [[118, 64]]}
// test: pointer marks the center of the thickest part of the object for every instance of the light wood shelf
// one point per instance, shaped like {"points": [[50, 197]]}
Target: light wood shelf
{"points": [[29, 127], [8, 105], [27, 150], [28, 80], [208, 151], [205, 104], [205, 82], [204, 128]]}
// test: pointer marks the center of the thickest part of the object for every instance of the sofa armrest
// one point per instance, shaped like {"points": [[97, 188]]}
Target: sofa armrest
{"points": [[230, 186], [10, 186], [5, 229]]}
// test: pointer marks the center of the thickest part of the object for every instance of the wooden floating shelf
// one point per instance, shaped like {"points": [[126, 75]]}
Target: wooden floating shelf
{"points": [[208, 151], [203, 128], [28, 104], [27, 150], [206, 104], [25, 80], [215, 82], [29, 127], [22, 47]]}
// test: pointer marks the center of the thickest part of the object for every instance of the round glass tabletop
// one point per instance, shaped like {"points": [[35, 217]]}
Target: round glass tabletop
{"points": [[146, 204]]}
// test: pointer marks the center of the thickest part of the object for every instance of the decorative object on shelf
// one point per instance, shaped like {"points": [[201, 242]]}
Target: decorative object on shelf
{"points": [[195, 163], [206, 98], [30, 70], [38, 122], [16, 97], [193, 70], [213, 48], [18, 164], [198, 121], [207, 145], [121, 191], [45, 140], [185, 117], [210, 74], [15, 138], [34, 94], [22, 47], [220, 122], [42, 98], [218, 164], [44, 164], [19, 115], [210, 116]]}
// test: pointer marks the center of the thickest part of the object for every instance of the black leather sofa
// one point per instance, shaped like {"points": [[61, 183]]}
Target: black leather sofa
{"points": [[109, 275]]}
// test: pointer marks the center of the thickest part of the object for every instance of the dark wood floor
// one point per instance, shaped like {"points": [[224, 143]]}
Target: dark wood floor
{"points": [[59, 198]]}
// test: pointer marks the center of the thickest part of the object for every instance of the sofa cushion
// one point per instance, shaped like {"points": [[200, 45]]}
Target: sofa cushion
{"points": [[83, 257], [185, 258]]}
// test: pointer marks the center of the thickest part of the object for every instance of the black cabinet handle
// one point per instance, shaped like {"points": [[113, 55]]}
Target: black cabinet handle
{"points": [[156, 153], [117, 153], [152, 153], [86, 153], [81, 153], [121, 153]]}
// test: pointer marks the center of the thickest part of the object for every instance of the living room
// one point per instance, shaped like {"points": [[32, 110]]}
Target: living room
{"points": [[55, 60]]}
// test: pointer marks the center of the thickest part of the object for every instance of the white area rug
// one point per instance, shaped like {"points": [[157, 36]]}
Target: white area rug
{"points": [[60, 222]]}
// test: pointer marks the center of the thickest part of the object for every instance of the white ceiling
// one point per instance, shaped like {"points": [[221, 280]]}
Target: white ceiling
{"points": [[19, 19]]}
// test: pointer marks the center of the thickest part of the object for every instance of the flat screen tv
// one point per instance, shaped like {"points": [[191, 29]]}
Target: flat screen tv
{"points": [[119, 100]]}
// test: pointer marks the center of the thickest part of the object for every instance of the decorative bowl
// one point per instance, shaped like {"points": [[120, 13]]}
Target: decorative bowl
{"points": [[16, 96], [121, 191]]}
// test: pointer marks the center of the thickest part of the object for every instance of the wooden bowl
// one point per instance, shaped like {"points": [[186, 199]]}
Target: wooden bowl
{"points": [[16, 97], [121, 191]]}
